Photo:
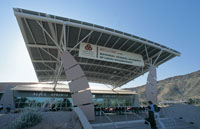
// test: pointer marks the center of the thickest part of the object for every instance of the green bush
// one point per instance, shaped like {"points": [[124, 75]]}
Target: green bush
{"points": [[29, 117]]}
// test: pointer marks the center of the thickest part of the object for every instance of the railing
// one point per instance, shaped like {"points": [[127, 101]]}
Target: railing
{"points": [[84, 121], [157, 117], [108, 119], [172, 119], [149, 125]]}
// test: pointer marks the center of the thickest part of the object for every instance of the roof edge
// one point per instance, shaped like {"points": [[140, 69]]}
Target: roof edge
{"points": [[94, 28]]}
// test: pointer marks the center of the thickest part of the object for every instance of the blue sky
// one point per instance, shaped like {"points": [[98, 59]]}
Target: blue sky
{"points": [[173, 23]]}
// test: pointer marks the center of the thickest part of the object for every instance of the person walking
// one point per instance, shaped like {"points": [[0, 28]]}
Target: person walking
{"points": [[151, 106], [1, 107], [155, 109], [150, 118]]}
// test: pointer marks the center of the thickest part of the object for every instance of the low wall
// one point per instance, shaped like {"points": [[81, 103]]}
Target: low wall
{"points": [[188, 113]]}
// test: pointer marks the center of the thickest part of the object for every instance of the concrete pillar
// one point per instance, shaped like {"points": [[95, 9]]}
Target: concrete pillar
{"points": [[151, 86], [78, 85]]}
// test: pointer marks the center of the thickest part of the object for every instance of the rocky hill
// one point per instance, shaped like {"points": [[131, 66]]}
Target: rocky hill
{"points": [[175, 88]]}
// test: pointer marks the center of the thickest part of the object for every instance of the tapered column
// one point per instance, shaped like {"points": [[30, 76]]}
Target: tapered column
{"points": [[151, 86], [79, 87]]}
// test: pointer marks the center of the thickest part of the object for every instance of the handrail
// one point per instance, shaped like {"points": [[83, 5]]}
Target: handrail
{"points": [[108, 119], [149, 125], [179, 114], [173, 121], [157, 117], [84, 121], [172, 118]]}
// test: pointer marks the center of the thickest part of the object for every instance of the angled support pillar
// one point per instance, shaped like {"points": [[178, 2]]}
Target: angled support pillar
{"points": [[61, 64], [151, 86], [78, 85]]}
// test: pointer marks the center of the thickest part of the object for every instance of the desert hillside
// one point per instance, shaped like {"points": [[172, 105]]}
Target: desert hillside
{"points": [[176, 88]]}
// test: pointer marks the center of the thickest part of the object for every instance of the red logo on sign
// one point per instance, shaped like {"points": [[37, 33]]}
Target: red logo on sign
{"points": [[88, 47]]}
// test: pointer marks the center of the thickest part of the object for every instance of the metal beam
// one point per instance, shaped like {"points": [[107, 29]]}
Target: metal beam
{"points": [[99, 38], [147, 54], [50, 54], [106, 43], [138, 48], [46, 70], [112, 45], [67, 42], [63, 40], [41, 46], [53, 32], [104, 74], [131, 78], [50, 47], [44, 61], [131, 46], [61, 63], [88, 35], [100, 80], [153, 56], [35, 42], [96, 44], [89, 72], [81, 41], [143, 71], [126, 50], [157, 57], [79, 33], [134, 38], [107, 40], [115, 42], [106, 66], [123, 44], [56, 43], [167, 58]]}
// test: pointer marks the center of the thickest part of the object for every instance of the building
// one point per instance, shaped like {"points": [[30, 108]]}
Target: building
{"points": [[43, 94], [63, 49]]}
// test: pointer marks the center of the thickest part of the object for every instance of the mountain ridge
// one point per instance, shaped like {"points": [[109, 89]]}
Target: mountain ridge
{"points": [[181, 87]]}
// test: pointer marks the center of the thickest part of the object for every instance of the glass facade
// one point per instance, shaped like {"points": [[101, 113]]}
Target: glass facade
{"points": [[60, 103], [63, 101], [113, 100]]}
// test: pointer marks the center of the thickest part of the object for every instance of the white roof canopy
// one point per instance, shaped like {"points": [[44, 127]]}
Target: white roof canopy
{"points": [[46, 36]]}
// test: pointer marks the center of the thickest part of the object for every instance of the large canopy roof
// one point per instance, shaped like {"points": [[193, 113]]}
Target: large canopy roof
{"points": [[46, 36]]}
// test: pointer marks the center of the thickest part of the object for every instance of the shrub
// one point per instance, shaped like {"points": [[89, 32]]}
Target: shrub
{"points": [[29, 117]]}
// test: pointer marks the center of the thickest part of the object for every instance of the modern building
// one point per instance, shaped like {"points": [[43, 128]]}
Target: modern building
{"points": [[63, 49], [43, 94]]}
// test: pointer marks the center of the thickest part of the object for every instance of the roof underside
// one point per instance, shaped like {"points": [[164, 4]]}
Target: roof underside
{"points": [[45, 37], [65, 88]]}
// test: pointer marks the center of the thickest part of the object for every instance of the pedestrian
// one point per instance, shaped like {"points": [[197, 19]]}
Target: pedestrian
{"points": [[8, 108], [151, 106], [151, 119], [1, 107], [155, 109]]}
